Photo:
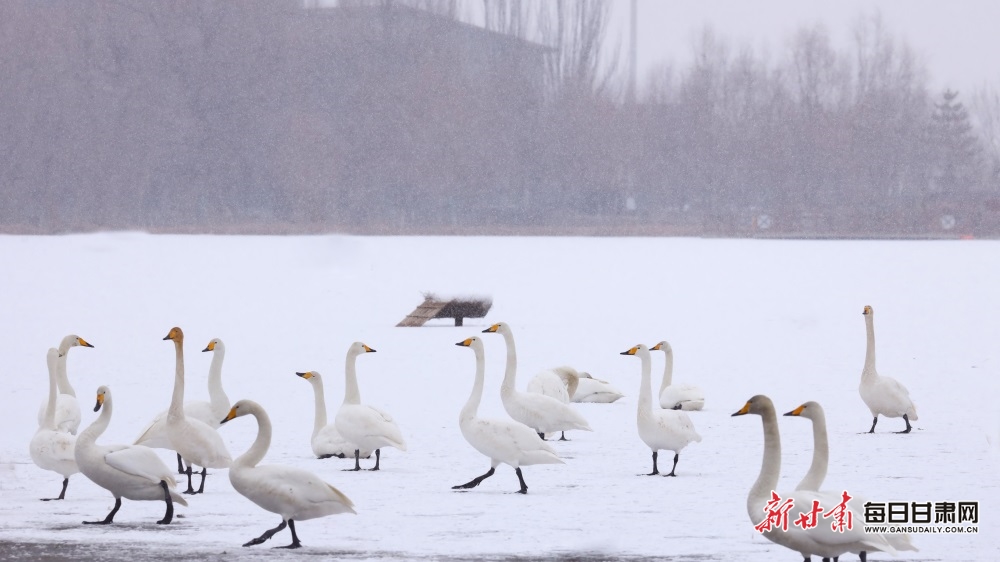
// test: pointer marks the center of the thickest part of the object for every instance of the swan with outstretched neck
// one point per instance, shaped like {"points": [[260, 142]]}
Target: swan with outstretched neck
{"points": [[542, 413], [688, 397], [670, 430], [367, 427], [326, 441], [292, 493], [67, 412], [883, 395], [503, 441], [50, 448], [127, 471]]}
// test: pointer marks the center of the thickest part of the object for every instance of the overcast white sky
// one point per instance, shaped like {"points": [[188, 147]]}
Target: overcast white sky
{"points": [[959, 40]]}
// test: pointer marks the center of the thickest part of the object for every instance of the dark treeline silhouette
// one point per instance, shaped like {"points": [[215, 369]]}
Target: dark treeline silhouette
{"points": [[398, 117]]}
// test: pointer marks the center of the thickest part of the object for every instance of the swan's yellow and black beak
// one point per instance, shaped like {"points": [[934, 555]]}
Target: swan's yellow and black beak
{"points": [[209, 347], [306, 376], [630, 351], [867, 310], [492, 329], [229, 416], [100, 402], [466, 342], [656, 347], [367, 349], [744, 410], [82, 342], [796, 411]]}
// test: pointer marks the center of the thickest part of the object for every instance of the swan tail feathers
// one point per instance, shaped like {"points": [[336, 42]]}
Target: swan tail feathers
{"points": [[177, 498], [343, 499], [540, 457]]}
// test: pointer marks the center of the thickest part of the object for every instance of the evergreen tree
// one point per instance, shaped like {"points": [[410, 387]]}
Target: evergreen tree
{"points": [[954, 145]]}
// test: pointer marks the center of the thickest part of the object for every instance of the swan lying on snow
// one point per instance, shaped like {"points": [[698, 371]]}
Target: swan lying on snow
{"points": [[670, 430], [689, 397], [590, 389], [542, 413], [365, 426], [127, 471], [813, 479], [883, 395], [193, 439], [50, 448], [503, 441], [67, 417], [821, 540], [326, 440], [292, 493], [155, 434]]}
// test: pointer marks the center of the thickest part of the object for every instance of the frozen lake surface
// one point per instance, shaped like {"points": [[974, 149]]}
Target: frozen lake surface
{"points": [[745, 317]]}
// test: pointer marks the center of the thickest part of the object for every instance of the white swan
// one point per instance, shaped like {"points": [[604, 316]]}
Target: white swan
{"points": [[813, 479], [821, 540], [326, 440], [155, 433], [688, 396], [67, 409], [590, 389], [193, 439], [127, 471], [365, 426], [292, 493], [670, 430], [542, 413], [50, 448], [503, 441], [883, 395], [559, 382]]}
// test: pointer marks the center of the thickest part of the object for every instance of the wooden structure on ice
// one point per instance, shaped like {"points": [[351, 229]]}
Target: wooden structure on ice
{"points": [[447, 307]]}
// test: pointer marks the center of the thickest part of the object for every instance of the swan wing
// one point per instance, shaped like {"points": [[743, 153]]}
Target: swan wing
{"points": [[688, 396], [508, 441], [67, 413], [291, 492], [360, 423], [199, 443], [595, 390], [140, 461], [155, 433], [549, 383], [544, 413], [329, 441]]}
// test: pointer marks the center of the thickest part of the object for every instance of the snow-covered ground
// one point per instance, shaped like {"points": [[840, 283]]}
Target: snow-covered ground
{"points": [[781, 318]]}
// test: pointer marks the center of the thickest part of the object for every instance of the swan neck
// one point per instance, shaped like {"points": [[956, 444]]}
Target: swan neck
{"points": [[216, 394], [870, 348], [176, 411], [261, 444], [50, 405], [352, 394], [813, 479], [645, 407], [770, 468], [320, 400], [95, 429], [472, 405], [668, 369], [510, 372], [62, 380]]}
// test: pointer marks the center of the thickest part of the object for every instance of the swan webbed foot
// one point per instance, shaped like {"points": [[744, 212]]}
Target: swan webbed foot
{"points": [[656, 469], [295, 537], [190, 489], [542, 436], [267, 535], [908, 426], [378, 457], [201, 488], [520, 477], [475, 481], [111, 516], [169, 515], [864, 556], [563, 437], [674, 468], [62, 493]]}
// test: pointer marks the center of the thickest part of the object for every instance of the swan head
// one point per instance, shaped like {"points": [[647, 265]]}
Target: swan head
{"points": [[176, 334], [216, 342], [662, 346], [74, 340], [357, 348], [473, 342], [636, 350], [311, 376], [241, 408], [868, 311], [759, 405], [810, 410], [102, 393], [498, 327]]}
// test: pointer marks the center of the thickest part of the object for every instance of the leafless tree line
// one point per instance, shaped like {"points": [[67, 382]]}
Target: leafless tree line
{"points": [[256, 116]]}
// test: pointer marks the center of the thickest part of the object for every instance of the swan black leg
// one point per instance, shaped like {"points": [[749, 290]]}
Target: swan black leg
{"points": [[180, 464], [201, 488], [475, 481], [541, 436], [110, 517], [864, 556], [190, 489], [378, 455], [656, 469], [267, 534], [357, 461], [563, 437], [169, 515], [524, 487], [874, 421], [62, 494], [676, 457], [905, 418], [295, 537]]}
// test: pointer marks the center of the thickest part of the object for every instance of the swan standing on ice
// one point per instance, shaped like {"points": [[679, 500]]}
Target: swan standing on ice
{"points": [[326, 440], [365, 426], [50, 448], [670, 430], [821, 540], [127, 471], [503, 441], [883, 395], [292, 493], [688, 396], [542, 413], [590, 389], [560, 383], [813, 479], [67, 409], [193, 439], [155, 434]]}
